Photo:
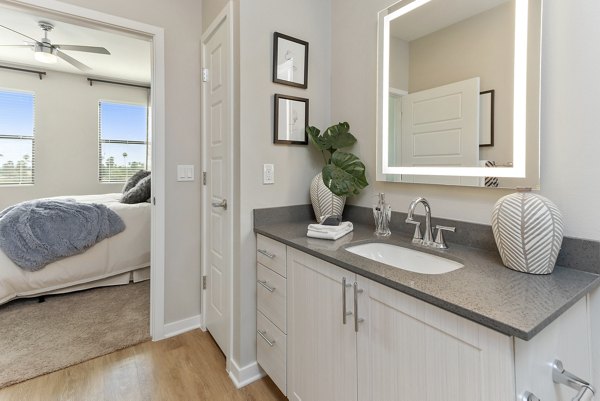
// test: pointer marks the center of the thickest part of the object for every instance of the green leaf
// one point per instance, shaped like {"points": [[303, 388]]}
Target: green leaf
{"points": [[345, 176], [339, 136], [334, 138]]}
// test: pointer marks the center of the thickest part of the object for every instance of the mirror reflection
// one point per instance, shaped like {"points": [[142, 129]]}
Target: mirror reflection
{"points": [[450, 74]]}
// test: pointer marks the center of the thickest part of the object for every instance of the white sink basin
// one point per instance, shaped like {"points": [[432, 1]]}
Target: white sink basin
{"points": [[405, 258]]}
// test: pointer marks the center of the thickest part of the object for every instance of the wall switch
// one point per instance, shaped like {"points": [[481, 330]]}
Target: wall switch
{"points": [[185, 172], [268, 174]]}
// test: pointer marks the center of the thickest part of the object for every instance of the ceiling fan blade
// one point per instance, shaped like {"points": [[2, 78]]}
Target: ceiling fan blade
{"points": [[22, 34], [89, 49], [72, 61]]}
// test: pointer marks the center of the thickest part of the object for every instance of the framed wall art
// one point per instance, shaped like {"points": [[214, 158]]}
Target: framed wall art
{"points": [[291, 120], [290, 61]]}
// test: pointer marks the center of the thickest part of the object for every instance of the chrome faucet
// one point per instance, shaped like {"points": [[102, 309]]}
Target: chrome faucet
{"points": [[427, 238]]}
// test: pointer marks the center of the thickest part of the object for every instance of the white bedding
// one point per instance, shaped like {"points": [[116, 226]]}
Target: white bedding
{"points": [[126, 251]]}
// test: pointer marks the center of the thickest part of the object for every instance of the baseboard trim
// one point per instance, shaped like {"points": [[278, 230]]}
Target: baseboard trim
{"points": [[243, 376], [181, 326]]}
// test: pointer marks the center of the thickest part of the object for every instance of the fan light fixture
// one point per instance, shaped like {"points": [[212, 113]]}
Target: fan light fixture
{"points": [[45, 54]]}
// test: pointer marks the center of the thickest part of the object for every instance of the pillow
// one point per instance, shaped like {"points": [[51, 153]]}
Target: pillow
{"points": [[134, 179], [139, 193]]}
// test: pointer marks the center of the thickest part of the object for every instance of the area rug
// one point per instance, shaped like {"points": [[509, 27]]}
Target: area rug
{"points": [[39, 338]]}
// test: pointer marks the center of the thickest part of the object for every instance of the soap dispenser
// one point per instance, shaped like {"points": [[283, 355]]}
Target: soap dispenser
{"points": [[382, 213]]}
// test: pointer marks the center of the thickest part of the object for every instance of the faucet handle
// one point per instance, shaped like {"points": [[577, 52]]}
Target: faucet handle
{"points": [[417, 237], [440, 241]]}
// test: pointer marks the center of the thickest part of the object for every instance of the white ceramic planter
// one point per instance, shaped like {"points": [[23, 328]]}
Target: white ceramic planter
{"points": [[528, 230], [324, 202]]}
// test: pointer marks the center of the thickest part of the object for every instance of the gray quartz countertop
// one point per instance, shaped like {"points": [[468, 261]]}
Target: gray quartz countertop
{"points": [[484, 291]]}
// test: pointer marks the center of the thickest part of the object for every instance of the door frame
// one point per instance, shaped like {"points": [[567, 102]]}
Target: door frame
{"points": [[157, 270], [224, 17]]}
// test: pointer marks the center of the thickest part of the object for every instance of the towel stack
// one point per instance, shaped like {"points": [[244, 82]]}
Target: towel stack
{"points": [[329, 232]]}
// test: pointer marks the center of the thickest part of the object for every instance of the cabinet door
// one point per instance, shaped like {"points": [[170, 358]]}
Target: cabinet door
{"points": [[321, 348], [409, 350]]}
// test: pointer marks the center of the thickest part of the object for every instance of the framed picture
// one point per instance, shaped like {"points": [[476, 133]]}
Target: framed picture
{"points": [[291, 120], [290, 61], [486, 118]]}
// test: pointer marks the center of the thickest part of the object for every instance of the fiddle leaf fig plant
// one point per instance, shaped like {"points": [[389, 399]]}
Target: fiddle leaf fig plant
{"points": [[344, 173]]}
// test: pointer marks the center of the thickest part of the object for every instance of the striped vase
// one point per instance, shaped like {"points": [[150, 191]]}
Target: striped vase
{"points": [[324, 202], [528, 230]]}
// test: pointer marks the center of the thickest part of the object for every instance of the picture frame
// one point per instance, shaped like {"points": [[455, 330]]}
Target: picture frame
{"points": [[486, 118], [291, 120], [290, 61]]}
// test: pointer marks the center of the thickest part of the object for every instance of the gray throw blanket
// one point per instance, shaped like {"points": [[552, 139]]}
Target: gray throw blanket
{"points": [[35, 233]]}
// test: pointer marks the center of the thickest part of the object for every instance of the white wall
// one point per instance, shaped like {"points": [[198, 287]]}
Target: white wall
{"points": [[295, 166], [569, 128], [66, 133], [182, 22]]}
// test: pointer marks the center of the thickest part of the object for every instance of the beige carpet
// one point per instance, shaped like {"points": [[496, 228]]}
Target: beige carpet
{"points": [[39, 338]]}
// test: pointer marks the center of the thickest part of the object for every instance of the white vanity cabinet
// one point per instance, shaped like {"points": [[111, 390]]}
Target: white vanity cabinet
{"points": [[271, 301], [321, 347], [351, 338], [411, 350]]}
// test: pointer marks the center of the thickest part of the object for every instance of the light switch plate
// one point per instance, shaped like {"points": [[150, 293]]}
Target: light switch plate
{"points": [[268, 174], [185, 172]]}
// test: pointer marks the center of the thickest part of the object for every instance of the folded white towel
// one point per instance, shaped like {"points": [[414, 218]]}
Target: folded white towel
{"points": [[331, 229], [332, 235]]}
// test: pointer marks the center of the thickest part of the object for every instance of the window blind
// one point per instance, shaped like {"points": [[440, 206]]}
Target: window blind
{"points": [[17, 128], [122, 141]]}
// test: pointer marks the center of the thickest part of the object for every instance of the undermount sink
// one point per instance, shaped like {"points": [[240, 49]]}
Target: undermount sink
{"points": [[405, 258]]}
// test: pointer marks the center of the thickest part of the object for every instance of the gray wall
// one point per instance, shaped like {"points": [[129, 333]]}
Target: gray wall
{"points": [[569, 140], [66, 133]]}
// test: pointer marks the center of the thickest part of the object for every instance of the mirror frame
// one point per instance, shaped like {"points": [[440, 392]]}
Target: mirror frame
{"points": [[518, 170]]}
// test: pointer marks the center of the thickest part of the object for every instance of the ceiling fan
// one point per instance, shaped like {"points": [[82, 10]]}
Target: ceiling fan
{"points": [[46, 52]]}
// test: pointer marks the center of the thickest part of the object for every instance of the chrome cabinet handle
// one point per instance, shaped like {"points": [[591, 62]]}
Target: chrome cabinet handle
{"points": [[263, 334], [267, 286], [344, 312], [527, 396], [564, 377], [357, 319], [266, 253], [222, 204]]}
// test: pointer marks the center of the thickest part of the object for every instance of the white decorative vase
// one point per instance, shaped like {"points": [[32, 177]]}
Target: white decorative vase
{"points": [[324, 202], [528, 230]]}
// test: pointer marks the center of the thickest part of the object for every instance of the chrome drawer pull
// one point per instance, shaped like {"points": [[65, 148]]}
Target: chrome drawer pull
{"points": [[263, 334], [266, 253], [357, 319], [264, 284], [344, 313]]}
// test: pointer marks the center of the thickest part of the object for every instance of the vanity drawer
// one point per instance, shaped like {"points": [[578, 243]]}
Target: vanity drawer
{"points": [[271, 295], [271, 350], [271, 254]]}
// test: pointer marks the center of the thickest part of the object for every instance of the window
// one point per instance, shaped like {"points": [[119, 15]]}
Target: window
{"points": [[16, 137], [123, 144]]}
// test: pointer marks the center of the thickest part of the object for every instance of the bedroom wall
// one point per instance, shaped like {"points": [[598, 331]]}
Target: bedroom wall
{"points": [[569, 140], [182, 22], [66, 133]]}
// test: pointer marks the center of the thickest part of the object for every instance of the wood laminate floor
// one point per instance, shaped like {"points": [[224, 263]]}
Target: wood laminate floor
{"points": [[188, 367]]}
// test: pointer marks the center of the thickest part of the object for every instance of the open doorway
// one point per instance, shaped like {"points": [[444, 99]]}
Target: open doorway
{"points": [[120, 134]]}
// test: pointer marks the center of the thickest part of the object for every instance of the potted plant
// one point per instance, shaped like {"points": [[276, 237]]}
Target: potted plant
{"points": [[343, 174]]}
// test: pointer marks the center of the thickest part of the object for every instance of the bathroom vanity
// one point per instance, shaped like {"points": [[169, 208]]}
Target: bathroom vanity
{"points": [[332, 325]]}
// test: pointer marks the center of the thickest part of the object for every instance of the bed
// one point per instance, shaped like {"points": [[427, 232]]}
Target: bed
{"points": [[117, 260]]}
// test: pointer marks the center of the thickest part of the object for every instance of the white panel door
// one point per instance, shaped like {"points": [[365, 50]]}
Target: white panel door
{"points": [[409, 350], [321, 348], [217, 115], [440, 127]]}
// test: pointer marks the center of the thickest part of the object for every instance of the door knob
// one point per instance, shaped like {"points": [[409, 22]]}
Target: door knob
{"points": [[222, 204]]}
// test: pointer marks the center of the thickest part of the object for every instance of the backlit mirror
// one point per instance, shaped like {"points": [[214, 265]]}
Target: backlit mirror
{"points": [[459, 92]]}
